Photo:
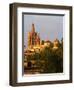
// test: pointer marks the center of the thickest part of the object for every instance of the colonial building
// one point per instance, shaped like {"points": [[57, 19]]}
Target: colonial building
{"points": [[35, 43], [33, 38]]}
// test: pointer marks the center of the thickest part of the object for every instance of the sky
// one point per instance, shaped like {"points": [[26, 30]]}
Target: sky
{"points": [[49, 27]]}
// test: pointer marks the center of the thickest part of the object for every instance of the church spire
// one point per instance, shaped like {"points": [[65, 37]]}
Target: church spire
{"points": [[33, 27]]}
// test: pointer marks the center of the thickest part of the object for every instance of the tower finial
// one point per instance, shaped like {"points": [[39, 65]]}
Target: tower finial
{"points": [[33, 28]]}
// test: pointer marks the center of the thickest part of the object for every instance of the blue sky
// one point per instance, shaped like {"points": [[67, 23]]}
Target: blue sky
{"points": [[49, 27]]}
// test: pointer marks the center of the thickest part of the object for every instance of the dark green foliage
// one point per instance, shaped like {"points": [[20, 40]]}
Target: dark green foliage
{"points": [[42, 43], [53, 60]]}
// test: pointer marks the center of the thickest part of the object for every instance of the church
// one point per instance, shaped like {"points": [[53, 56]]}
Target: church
{"points": [[34, 41], [33, 38]]}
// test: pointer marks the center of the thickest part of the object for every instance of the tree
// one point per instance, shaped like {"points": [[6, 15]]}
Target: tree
{"points": [[42, 42]]}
